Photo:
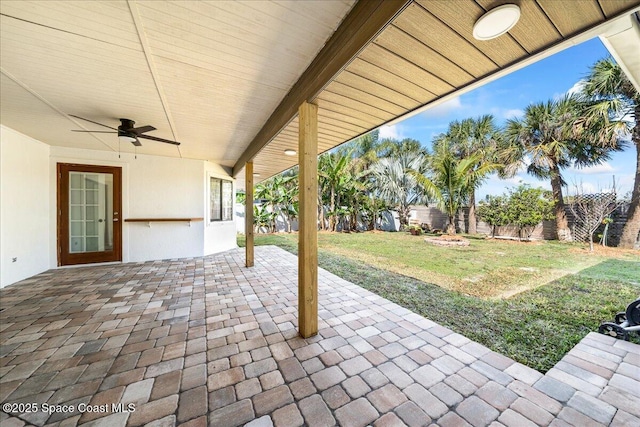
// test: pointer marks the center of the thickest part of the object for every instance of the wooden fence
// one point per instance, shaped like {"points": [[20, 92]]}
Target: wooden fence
{"points": [[544, 231]]}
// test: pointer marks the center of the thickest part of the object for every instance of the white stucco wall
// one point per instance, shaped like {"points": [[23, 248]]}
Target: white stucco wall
{"points": [[163, 187], [160, 187], [152, 186], [218, 235], [24, 206]]}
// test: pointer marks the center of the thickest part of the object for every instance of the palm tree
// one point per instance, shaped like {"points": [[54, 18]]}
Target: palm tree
{"points": [[332, 168], [393, 147], [364, 148], [290, 192], [552, 136], [364, 152], [615, 98], [453, 178], [465, 139], [397, 182], [279, 196]]}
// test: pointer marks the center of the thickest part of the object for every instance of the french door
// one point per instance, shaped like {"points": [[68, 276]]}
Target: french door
{"points": [[89, 206]]}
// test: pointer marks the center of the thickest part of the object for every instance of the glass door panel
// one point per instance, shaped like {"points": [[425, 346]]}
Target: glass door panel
{"points": [[90, 216], [89, 205]]}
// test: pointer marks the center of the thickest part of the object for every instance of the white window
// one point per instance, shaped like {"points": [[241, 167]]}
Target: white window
{"points": [[221, 191]]}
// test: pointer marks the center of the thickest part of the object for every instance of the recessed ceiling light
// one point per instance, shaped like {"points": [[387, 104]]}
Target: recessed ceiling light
{"points": [[496, 22], [290, 152]]}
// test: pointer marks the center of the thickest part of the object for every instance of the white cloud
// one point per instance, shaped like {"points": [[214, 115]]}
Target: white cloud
{"points": [[391, 132], [584, 188], [515, 180], [576, 88], [602, 168], [624, 184], [444, 109], [495, 186], [573, 90], [589, 188], [515, 113]]}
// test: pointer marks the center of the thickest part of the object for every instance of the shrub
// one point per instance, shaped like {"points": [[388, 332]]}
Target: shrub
{"points": [[523, 206], [493, 211]]}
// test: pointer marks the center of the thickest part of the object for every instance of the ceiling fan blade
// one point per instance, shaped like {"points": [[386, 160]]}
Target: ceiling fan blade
{"points": [[141, 129], [137, 143], [94, 131], [91, 121], [154, 138]]}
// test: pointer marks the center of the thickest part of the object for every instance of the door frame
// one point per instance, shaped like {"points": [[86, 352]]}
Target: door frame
{"points": [[62, 209]]}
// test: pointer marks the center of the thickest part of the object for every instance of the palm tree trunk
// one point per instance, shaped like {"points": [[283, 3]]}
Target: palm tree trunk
{"points": [[353, 216], [562, 224], [451, 227], [374, 215], [631, 231], [320, 210], [473, 228], [332, 207], [403, 216]]}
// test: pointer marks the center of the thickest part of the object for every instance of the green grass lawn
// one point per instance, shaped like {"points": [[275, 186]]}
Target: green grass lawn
{"points": [[567, 291]]}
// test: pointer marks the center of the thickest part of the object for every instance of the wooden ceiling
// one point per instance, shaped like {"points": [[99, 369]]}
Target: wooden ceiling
{"points": [[427, 53], [226, 77]]}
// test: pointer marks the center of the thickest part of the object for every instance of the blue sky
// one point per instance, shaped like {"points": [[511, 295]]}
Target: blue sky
{"points": [[506, 98]]}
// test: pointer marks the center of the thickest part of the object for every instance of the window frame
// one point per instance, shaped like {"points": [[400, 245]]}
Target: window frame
{"points": [[221, 212]]}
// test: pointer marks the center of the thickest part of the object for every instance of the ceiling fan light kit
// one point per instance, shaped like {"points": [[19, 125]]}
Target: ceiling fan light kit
{"points": [[126, 138]]}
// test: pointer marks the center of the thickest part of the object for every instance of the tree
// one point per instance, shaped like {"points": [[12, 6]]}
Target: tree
{"points": [[268, 193], [552, 136], [290, 191], [494, 212], [467, 138], [397, 181], [453, 177], [365, 149], [279, 197], [364, 152], [617, 100], [241, 197], [527, 207], [394, 148], [523, 207], [331, 171], [262, 217]]}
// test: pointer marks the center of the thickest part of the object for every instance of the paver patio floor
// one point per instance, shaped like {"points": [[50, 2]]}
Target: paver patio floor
{"points": [[206, 341]]}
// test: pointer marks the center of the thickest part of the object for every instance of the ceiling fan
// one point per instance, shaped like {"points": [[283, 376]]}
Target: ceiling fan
{"points": [[126, 131]]}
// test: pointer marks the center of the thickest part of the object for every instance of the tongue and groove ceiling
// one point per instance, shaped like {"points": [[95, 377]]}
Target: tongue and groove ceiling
{"points": [[225, 77]]}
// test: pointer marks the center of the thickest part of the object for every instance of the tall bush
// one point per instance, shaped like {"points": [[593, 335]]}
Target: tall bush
{"points": [[523, 207], [494, 212]]}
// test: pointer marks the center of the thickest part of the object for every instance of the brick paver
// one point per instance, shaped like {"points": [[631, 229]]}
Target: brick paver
{"points": [[206, 341]]}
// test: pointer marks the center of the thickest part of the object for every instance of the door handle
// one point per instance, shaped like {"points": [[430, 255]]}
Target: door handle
{"points": [[100, 220]]}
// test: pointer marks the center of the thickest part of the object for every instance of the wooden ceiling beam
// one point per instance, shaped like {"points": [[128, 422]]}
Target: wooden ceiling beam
{"points": [[363, 23]]}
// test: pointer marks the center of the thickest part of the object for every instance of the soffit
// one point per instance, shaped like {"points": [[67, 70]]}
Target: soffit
{"points": [[427, 54], [210, 74]]}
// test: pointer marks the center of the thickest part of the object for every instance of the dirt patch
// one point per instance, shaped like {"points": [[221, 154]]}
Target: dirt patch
{"points": [[446, 240], [606, 251]]}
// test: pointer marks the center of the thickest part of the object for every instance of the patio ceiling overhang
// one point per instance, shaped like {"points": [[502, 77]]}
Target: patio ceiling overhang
{"points": [[427, 55], [227, 78]]}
